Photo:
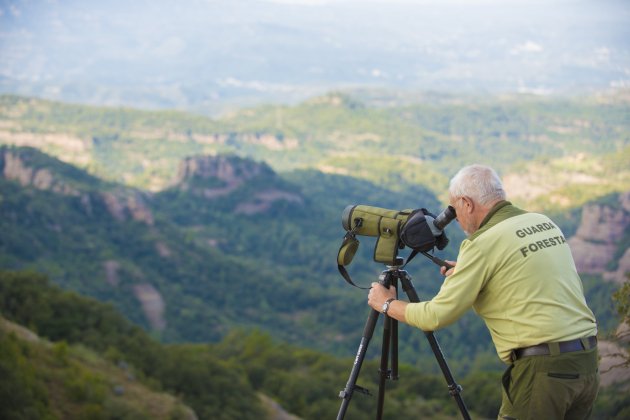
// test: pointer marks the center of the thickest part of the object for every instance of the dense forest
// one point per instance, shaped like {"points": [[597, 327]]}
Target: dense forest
{"points": [[74, 376], [214, 241]]}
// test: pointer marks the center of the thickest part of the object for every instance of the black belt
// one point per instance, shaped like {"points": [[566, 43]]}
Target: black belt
{"points": [[543, 349]]}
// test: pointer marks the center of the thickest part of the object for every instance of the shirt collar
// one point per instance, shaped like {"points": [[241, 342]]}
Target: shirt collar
{"points": [[493, 210]]}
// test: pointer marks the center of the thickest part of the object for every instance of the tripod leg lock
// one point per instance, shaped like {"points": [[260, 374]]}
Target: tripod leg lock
{"points": [[389, 374], [347, 394], [455, 389]]}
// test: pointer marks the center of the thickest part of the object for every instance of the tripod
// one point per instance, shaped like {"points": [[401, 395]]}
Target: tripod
{"points": [[388, 278]]}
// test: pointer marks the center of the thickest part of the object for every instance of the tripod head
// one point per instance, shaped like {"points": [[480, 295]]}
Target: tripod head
{"points": [[398, 264], [387, 276]]}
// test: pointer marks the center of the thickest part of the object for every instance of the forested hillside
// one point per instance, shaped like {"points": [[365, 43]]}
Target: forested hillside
{"points": [[90, 362], [98, 365], [72, 322], [553, 152], [54, 380], [226, 231], [194, 261], [175, 260]]}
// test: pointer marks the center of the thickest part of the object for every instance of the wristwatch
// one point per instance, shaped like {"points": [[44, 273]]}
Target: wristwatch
{"points": [[385, 307]]}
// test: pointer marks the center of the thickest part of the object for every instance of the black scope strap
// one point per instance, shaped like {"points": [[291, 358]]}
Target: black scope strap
{"points": [[346, 276]]}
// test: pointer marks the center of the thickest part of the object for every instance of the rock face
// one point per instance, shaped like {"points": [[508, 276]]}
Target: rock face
{"points": [[611, 366], [594, 247], [127, 204], [122, 203], [231, 171], [597, 239], [16, 168], [152, 305], [213, 177]]}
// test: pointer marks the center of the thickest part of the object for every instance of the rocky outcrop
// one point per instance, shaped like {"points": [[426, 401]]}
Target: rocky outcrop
{"points": [[597, 239], [126, 205], [73, 149], [594, 246], [149, 297], [271, 142], [213, 177], [152, 305], [621, 273], [612, 363], [16, 168], [230, 170], [111, 272], [163, 250], [122, 203]]}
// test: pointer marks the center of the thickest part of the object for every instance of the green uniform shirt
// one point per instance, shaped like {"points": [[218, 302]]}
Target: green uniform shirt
{"points": [[518, 274]]}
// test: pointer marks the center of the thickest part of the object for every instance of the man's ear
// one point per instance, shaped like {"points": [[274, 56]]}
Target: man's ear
{"points": [[469, 204]]}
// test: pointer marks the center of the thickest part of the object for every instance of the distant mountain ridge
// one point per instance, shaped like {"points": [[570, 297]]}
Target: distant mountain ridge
{"points": [[552, 152]]}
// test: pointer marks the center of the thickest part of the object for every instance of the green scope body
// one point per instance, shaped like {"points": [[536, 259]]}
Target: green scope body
{"points": [[384, 224], [373, 221]]}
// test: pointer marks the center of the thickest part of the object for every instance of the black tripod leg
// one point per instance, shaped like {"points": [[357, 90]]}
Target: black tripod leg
{"points": [[351, 385], [394, 347], [453, 387], [384, 370], [386, 279], [390, 343]]}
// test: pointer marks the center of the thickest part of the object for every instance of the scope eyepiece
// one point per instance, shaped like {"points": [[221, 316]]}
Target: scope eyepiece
{"points": [[445, 218]]}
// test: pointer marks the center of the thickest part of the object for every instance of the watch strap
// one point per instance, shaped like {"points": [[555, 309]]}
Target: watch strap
{"points": [[386, 305]]}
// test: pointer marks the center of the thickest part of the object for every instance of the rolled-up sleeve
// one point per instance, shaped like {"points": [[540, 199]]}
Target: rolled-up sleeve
{"points": [[457, 294]]}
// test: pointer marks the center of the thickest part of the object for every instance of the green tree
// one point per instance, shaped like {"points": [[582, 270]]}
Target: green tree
{"points": [[22, 396]]}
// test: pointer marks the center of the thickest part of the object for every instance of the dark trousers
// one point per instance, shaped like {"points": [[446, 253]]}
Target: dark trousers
{"points": [[556, 386]]}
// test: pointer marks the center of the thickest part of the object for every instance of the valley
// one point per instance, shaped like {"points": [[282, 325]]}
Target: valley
{"points": [[194, 228]]}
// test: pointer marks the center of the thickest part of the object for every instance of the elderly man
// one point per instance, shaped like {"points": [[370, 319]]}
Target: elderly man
{"points": [[516, 271]]}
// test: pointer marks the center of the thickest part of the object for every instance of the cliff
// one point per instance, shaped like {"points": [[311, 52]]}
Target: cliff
{"points": [[31, 168], [600, 239], [600, 247], [216, 177]]}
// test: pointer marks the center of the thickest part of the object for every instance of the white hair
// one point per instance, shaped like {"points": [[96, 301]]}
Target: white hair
{"points": [[479, 182]]}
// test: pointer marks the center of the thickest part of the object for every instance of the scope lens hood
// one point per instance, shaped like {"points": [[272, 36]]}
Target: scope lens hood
{"points": [[346, 217]]}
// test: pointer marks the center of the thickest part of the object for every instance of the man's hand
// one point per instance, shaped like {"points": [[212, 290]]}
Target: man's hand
{"points": [[379, 294], [450, 271]]}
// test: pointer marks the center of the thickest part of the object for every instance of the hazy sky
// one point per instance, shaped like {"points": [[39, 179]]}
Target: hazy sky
{"points": [[202, 50]]}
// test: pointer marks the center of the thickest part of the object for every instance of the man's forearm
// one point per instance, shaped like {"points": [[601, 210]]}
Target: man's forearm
{"points": [[397, 310]]}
